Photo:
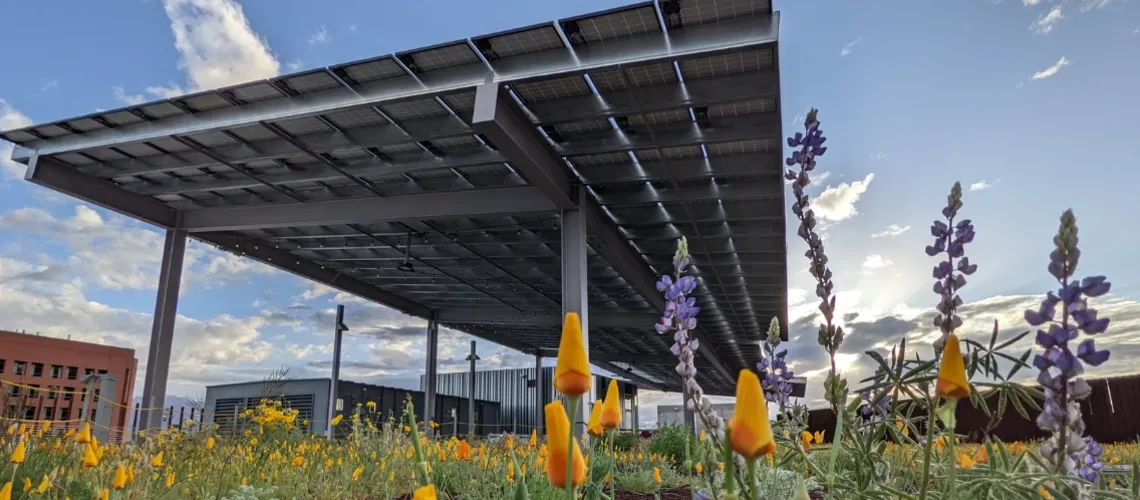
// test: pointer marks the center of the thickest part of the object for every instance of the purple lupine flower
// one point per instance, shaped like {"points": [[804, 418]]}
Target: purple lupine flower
{"points": [[1060, 369], [777, 378], [950, 238], [879, 409], [810, 144], [680, 317]]}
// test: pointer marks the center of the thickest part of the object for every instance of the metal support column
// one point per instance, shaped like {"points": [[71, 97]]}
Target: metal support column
{"points": [[334, 382], [539, 400], [471, 392], [574, 283], [687, 411], [430, 380], [162, 329], [636, 420]]}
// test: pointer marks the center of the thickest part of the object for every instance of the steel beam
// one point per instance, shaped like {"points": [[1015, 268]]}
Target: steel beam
{"points": [[598, 319], [575, 291], [282, 259], [443, 205], [55, 175], [690, 42], [162, 330]]}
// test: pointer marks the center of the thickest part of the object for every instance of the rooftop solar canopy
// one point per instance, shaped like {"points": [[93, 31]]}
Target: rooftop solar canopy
{"points": [[457, 160]]}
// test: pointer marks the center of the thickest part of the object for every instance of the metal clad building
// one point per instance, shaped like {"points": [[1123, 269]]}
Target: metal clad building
{"points": [[310, 398], [516, 392]]}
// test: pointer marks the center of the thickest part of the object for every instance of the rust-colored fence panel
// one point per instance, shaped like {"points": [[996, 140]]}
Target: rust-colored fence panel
{"points": [[1109, 414]]}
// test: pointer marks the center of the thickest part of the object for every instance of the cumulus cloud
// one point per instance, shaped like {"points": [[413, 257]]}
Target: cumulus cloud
{"points": [[1051, 70], [217, 46], [874, 261], [320, 37], [891, 230], [1044, 24], [838, 203], [10, 119]]}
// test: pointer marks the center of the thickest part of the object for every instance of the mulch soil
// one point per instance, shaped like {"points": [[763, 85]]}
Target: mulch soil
{"points": [[667, 494]]}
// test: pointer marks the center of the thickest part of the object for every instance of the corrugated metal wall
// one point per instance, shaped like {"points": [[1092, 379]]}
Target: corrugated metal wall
{"points": [[515, 391]]}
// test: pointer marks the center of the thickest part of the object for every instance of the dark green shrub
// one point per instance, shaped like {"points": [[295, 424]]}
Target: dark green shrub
{"points": [[625, 441], [669, 441]]}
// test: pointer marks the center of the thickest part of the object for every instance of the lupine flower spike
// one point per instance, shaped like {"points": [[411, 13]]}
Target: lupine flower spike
{"points": [[810, 144], [1067, 449], [777, 381], [950, 238]]}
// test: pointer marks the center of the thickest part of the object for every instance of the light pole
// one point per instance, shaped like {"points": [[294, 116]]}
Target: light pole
{"points": [[471, 393]]}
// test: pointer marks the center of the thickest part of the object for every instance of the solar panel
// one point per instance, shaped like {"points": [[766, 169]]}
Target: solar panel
{"points": [[670, 153], [311, 82], [726, 64], [74, 159], [461, 102], [358, 117], [638, 76], [369, 71], [601, 159], [138, 149], [613, 25], [419, 108], [748, 107], [85, 125], [211, 139], [447, 56], [401, 149], [254, 133], [206, 102], [255, 92], [526, 41], [584, 127], [555, 88], [54, 130], [20, 136], [660, 117], [105, 155], [169, 145], [162, 110], [457, 143], [697, 12], [302, 126], [742, 147], [122, 118]]}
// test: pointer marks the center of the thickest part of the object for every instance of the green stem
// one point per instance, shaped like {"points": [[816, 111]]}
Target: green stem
{"points": [[569, 485], [613, 463], [752, 484], [729, 465], [953, 457], [926, 451]]}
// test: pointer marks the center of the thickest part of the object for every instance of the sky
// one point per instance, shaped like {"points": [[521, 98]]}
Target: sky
{"points": [[1027, 103]]}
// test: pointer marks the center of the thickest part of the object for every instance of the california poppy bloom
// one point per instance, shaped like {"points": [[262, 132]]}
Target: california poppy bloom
{"points": [[594, 425], [952, 383], [611, 409], [751, 430], [572, 373], [561, 446]]}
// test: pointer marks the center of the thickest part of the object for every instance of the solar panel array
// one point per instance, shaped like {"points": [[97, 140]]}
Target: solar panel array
{"points": [[667, 148]]}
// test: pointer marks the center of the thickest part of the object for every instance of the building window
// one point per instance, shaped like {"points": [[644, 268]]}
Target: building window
{"points": [[88, 371], [10, 412], [48, 412], [83, 396], [37, 369], [1, 367], [33, 390], [30, 413], [51, 392], [67, 393], [72, 373], [93, 412], [56, 371], [21, 367], [65, 413], [14, 391], [102, 372]]}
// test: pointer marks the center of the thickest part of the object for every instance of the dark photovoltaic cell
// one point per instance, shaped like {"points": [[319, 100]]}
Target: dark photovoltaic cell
{"points": [[358, 117], [520, 42], [85, 125], [697, 12], [671, 153], [556, 88], [311, 82], [461, 102], [408, 110], [742, 147], [448, 56], [206, 102], [256, 92], [302, 126], [370, 71], [726, 64], [753, 106], [613, 26], [637, 76], [601, 159]]}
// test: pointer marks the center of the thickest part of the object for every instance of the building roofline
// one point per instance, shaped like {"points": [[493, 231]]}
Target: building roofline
{"points": [[50, 338]]}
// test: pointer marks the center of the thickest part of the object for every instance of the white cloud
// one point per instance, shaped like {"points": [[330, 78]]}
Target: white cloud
{"points": [[10, 119], [294, 65], [49, 85], [1044, 24], [320, 37], [306, 352], [983, 185], [891, 230], [352, 29], [1095, 4], [216, 44], [125, 98], [838, 203], [879, 155], [1029, 3], [873, 262], [1051, 70], [847, 48]]}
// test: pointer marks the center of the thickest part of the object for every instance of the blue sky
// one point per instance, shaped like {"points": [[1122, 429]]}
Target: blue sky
{"points": [[1027, 103]]}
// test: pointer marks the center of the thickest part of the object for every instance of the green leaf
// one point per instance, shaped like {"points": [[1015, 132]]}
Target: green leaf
{"points": [[1018, 406], [1017, 366], [1011, 341], [1135, 479]]}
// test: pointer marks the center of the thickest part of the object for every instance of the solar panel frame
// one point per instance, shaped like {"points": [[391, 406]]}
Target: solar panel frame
{"points": [[371, 70], [700, 12], [522, 41], [552, 88], [441, 56], [614, 24], [414, 109], [727, 63]]}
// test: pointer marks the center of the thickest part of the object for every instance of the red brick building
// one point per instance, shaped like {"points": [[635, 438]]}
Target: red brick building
{"points": [[33, 369]]}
